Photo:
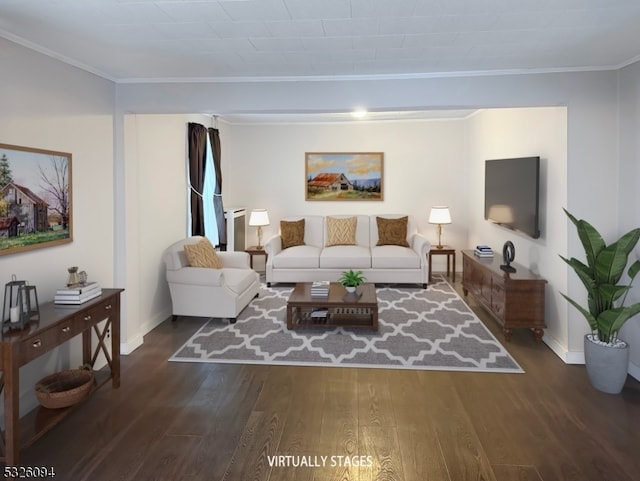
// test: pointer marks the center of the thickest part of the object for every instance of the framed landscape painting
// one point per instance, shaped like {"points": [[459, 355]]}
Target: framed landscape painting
{"points": [[35, 198], [344, 175]]}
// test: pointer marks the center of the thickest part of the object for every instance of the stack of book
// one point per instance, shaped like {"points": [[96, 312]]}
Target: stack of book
{"points": [[320, 289], [320, 315], [77, 295], [483, 251]]}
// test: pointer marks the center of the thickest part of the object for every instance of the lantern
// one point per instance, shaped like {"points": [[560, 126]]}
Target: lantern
{"points": [[20, 304]]}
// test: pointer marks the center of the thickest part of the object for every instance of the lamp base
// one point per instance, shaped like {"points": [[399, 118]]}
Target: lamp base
{"points": [[259, 246], [439, 246]]}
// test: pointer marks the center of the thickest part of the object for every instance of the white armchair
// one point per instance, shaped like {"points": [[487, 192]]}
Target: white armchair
{"points": [[204, 292]]}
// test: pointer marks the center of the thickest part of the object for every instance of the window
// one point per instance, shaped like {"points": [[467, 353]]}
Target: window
{"points": [[210, 223]]}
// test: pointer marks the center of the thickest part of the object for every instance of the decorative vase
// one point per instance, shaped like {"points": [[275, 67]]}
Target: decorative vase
{"points": [[74, 278], [350, 289], [607, 366]]}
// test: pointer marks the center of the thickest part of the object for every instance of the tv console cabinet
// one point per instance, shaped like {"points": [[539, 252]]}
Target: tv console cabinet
{"points": [[514, 300], [57, 325]]}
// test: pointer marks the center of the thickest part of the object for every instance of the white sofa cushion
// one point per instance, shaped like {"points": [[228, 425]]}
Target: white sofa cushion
{"points": [[394, 257], [345, 257], [238, 280], [298, 257]]}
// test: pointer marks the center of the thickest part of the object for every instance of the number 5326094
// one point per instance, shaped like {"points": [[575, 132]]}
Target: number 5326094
{"points": [[26, 472]]}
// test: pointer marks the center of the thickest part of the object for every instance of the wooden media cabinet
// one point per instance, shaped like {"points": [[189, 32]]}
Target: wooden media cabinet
{"points": [[514, 300]]}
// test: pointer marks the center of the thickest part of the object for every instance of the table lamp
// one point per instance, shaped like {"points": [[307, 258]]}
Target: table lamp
{"points": [[439, 215], [258, 218]]}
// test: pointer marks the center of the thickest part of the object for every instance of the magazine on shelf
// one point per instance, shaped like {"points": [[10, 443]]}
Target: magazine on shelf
{"points": [[480, 253]]}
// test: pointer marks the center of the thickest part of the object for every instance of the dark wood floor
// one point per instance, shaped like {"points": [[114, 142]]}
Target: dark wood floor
{"points": [[180, 421]]}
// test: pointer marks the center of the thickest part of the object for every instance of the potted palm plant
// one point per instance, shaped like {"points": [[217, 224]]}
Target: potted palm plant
{"points": [[351, 279], [606, 356]]}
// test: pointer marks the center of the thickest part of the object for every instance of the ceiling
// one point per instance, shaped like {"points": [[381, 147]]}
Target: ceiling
{"points": [[217, 40]]}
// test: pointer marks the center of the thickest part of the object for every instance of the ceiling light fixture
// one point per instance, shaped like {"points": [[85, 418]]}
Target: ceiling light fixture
{"points": [[359, 114]]}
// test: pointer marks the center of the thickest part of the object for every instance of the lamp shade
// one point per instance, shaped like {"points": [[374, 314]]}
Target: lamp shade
{"points": [[259, 217], [440, 215]]}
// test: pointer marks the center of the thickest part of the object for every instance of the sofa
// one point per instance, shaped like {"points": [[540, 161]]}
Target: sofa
{"points": [[220, 291], [319, 257]]}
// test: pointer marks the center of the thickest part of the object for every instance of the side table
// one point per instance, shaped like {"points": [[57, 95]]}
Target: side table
{"points": [[256, 251], [450, 252]]}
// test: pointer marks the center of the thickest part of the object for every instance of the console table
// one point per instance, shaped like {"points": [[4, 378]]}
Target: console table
{"points": [[514, 300], [57, 325]]}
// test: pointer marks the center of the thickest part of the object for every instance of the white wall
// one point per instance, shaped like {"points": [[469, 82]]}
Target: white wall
{"points": [[423, 164], [504, 133], [629, 194], [49, 105], [156, 213]]}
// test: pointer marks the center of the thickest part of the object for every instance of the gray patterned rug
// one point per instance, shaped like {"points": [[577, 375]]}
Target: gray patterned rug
{"points": [[430, 329]]}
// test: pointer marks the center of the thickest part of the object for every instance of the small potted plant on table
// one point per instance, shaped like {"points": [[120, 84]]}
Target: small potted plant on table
{"points": [[351, 279]]}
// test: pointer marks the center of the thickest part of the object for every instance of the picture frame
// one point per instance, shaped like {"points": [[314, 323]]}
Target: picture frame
{"points": [[35, 199], [344, 176]]}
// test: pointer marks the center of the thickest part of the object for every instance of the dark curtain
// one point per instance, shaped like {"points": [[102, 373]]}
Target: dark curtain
{"points": [[197, 138], [214, 138]]}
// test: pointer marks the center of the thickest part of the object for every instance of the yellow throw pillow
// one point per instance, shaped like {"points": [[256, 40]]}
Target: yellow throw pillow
{"points": [[202, 254], [392, 231], [341, 231], [292, 233]]}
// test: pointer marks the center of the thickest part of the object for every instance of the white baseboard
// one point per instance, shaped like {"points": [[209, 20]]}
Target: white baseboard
{"points": [[568, 357], [577, 357], [136, 341], [131, 345]]}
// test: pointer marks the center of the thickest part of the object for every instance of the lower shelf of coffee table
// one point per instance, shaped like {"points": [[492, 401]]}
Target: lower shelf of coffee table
{"points": [[335, 316]]}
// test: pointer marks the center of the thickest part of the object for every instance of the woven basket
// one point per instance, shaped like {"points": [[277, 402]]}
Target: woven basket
{"points": [[64, 389]]}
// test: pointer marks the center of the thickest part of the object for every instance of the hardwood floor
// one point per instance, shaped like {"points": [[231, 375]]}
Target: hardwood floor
{"points": [[182, 421]]}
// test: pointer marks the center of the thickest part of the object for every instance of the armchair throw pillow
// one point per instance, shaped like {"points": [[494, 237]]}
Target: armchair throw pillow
{"points": [[292, 233], [202, 254], [392, 231], [341, 231]]}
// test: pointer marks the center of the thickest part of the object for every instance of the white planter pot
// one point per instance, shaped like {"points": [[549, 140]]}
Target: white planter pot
{"points": [[607, 366], [350, 289]]}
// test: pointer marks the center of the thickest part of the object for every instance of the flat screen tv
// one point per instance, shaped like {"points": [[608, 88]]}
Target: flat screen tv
{"points": [[511, 194]]}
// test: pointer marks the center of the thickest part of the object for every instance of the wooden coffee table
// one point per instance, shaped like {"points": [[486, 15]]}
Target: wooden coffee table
{"points": [[339, 308]]}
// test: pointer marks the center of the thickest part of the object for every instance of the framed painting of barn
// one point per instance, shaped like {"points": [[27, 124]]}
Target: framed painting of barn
{"points": [[35, 199], [344, 176]]}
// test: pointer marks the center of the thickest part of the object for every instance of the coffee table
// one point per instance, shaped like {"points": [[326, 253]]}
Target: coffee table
{"points": [[339, 308]]}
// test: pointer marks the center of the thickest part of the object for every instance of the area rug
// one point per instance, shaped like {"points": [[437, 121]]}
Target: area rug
{"points": [[429, 329]]}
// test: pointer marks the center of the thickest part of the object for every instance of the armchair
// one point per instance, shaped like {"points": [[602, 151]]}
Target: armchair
{"points": [[206, 292]]}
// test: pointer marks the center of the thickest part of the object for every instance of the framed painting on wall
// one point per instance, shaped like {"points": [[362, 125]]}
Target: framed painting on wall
{"points": [[35, 198], [344, 175]]}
